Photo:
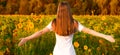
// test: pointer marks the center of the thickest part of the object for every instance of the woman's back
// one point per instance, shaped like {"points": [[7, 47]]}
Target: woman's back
{"points": [[64, 45]]}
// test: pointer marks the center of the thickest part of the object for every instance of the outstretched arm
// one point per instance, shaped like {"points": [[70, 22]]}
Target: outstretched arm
{"points": [[94, 33], [35, 35]]}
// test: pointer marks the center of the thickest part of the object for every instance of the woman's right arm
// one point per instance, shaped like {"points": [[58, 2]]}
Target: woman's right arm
{"points": [[36, 35], [33, 36]]}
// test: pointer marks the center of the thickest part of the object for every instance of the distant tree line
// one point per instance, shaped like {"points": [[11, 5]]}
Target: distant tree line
{"points": [[79, 7]]}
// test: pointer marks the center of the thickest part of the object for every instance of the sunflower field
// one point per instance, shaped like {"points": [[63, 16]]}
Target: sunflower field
{"points": [[14, 27]]}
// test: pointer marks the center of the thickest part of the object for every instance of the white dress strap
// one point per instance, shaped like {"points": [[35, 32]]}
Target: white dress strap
{"points": [[80, 27], [49, 26]]}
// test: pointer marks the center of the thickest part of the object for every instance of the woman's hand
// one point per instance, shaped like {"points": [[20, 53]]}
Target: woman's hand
{"points": [[22, 41], [109, 38]]}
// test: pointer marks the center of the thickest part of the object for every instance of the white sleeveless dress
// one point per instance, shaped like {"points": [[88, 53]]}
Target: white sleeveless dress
{"points": [[64, 44]]}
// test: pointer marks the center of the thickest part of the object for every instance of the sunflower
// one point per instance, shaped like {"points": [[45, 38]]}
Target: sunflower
{"points": [[14, 34], [20, 20], [103, 18], [76, 44], [89, 50], [36, 29], [101, 41], [4, 27], [85, 47], [19, 25], [30, 24], [98, 48]]}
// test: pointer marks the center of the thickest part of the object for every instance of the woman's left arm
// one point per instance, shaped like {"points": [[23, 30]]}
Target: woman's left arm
{"points": [[94, 33]]}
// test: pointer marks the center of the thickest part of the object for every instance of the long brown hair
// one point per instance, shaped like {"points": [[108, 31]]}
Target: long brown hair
{"points": [[64, 24]]}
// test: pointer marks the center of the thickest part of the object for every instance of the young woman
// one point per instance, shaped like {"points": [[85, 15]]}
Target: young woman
{"points": [[64, 27]]}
